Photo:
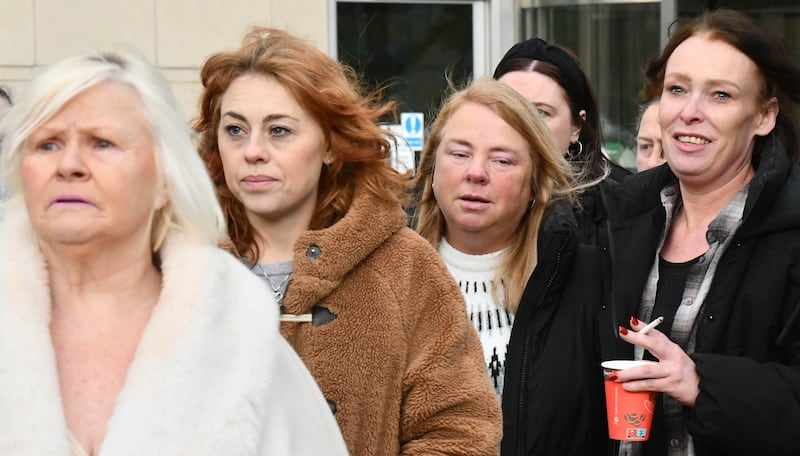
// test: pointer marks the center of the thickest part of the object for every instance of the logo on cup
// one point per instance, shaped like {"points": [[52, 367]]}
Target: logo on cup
{"points": [[636, 433], [634, 419]]}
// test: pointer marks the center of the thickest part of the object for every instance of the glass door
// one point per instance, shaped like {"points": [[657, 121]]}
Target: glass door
{"points": [[411, 48], [614, 41]]}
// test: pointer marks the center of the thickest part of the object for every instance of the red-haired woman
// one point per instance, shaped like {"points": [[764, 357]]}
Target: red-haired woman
{"points": [[314, 207]]}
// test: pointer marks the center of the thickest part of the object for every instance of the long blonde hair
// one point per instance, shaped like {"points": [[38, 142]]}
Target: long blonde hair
{"points": [[551, 177]]}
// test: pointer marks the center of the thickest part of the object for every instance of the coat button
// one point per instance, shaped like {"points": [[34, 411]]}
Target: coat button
{"points": [[313, 252], [321, 316], [332, 406]]}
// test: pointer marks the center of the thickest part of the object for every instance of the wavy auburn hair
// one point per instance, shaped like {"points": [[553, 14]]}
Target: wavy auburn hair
{"points": [[331, 93]]}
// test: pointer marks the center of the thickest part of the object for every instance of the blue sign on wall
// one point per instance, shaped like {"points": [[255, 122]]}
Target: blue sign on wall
{"points": [[413, 128]]}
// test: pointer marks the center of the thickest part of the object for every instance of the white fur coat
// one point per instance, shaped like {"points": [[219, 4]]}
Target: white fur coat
{"points": [[211, 374]]}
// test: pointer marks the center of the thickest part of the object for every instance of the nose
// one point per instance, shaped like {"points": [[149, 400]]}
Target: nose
{"points": [[692, 109], [72, 163], [476, 172], [256, 151]]}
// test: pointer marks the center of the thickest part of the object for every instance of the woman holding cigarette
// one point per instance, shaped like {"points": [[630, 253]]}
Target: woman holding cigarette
{"points": [[712, 243]]}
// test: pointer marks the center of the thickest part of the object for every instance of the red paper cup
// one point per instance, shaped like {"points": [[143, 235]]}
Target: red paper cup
{"points": [[629, 414]]}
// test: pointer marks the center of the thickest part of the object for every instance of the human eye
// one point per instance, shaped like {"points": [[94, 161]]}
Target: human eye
{"points": [[542, 112], [721, 95], [674, 89], [47, 146], [234, 130], [279, 131], [103, 143], [44, 145], [645, 147], [505, 160], [457, 153]]}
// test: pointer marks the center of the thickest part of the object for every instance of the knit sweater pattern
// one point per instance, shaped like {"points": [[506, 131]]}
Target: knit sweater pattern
{"points": [[474, 275]]}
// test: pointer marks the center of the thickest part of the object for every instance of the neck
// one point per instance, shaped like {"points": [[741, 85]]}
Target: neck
{"points": [[276, 237], [702, 205], [480, 244], [101, 281]]}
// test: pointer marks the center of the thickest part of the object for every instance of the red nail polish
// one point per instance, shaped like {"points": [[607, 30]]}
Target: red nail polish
{"points": [[612, 377], [634, 321], [623, 330]]}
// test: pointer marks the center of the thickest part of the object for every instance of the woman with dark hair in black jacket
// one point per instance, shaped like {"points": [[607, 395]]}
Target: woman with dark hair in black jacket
{"points": [[552, 78], [711, 242]]}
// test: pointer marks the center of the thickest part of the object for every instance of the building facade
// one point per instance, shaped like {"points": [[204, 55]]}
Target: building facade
{"points": [[413, 49]]}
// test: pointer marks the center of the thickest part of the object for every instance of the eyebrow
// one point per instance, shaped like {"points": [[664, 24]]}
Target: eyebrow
{"points": [[543, 105], [268, 118], [684, 77], [500, 148], [460, 142]]}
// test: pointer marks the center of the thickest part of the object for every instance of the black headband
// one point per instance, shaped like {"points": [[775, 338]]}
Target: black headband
{"points": [[539, 49]]}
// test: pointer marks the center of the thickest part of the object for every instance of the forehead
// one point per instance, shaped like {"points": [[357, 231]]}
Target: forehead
{"points": [[258, 90], [649, 117], [704, 57], [102, 103], [480, 126], [536, 87], [469, 114]]}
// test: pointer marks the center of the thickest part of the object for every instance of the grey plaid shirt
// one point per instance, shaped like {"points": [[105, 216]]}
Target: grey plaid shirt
{"points": [[701, 273]]}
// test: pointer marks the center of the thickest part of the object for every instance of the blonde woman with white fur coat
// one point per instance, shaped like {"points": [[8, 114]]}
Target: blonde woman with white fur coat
{"points": [[123, 330]]}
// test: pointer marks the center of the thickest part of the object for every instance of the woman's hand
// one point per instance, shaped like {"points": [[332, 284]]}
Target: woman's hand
{"points": [[674, 374]]}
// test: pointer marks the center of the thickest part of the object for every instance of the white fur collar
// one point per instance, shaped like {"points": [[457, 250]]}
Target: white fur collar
{"points": [[198, 383]]}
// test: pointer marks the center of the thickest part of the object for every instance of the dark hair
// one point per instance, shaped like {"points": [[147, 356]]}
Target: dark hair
{"points": [[563, 66], [644, 106], [768, 51], [331, 93], [5, 94]]}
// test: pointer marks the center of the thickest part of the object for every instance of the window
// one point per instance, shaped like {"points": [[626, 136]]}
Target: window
{"points": [[614, 41], [411, 47]]}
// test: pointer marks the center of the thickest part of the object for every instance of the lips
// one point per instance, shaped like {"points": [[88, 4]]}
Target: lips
{"points": [[474, 199], [69, 200], [257, 179]]}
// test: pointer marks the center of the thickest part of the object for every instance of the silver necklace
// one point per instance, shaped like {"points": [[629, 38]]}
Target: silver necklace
{"points": [[276, 291]]}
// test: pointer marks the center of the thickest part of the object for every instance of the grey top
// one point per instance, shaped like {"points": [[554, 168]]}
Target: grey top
{"points": [[276, 276]]}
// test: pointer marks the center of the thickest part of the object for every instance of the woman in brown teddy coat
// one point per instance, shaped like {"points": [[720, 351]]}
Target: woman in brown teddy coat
{"points": [[314, 207]]}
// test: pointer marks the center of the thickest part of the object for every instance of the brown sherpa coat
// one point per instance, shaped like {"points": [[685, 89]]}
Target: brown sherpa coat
{"points": [[399, 363]]}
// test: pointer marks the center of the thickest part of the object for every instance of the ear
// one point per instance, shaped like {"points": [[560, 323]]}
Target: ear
{"points": [[768, 117], [328, 157], [162, 197], [576, 129]]}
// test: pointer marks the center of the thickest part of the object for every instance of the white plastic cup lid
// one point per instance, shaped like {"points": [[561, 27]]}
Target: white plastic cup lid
{"points": [[622, 364]]}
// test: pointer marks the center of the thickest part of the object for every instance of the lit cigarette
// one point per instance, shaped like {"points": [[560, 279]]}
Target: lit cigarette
{"points": [[651, 325]]}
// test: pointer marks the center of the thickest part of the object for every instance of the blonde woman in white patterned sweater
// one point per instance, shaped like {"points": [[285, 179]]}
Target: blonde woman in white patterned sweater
{"points": [[495, 201]]}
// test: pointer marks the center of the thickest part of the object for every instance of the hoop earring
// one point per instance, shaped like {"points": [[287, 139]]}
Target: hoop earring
{"points": [[572, 154]]}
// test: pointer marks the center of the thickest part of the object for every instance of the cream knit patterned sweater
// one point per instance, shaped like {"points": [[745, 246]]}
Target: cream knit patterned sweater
{"points": [[474, 275]]}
